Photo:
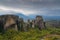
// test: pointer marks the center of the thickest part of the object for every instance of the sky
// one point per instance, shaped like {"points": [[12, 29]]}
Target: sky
{"points": [[30, 7]]}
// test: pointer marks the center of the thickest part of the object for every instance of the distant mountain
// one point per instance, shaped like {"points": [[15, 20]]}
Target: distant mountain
{"points": [[23, 16], [46, 18]]}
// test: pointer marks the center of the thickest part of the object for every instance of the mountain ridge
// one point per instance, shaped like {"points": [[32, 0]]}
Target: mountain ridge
{"points": [[46, 18]]}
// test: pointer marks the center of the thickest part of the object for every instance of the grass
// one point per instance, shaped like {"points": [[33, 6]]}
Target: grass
{"points": [[32, 34]]}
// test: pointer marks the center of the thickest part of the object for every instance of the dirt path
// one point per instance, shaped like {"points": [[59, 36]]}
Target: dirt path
{"points": [[50, 37]]}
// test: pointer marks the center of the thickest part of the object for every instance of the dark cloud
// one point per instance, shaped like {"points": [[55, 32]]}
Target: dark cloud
{"points": [[30, 3], [37, 5]]}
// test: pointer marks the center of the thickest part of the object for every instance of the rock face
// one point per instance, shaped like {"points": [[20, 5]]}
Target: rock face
{"points": [[33, 23], [18, 24], [8, 21], [39, 22]]}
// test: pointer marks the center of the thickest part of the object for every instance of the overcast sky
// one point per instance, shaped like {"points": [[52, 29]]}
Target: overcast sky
{"points": [[27, 7]]}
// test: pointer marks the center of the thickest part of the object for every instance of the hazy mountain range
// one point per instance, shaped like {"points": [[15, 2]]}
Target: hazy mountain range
{"points": [[46, 18]]}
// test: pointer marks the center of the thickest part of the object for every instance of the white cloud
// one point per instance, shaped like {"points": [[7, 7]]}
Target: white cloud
{"points": [[6, 9], [46, 11]]}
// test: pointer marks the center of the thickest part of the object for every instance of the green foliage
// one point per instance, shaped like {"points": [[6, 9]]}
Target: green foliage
{"points": [[32, 34]]}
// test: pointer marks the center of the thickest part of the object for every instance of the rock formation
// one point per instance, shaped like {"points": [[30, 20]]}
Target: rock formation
{"points": [[33, 23], [18, 24], [8, 21], [39, 22]]}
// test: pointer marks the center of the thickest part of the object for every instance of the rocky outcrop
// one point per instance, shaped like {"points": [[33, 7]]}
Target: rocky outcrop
{"points": [[39, 22], [18, 24], [8, 21]]}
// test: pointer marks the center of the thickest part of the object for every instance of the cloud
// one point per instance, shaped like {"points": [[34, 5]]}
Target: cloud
{"points": [[6, 10], [32, 4], [27, 7]]}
